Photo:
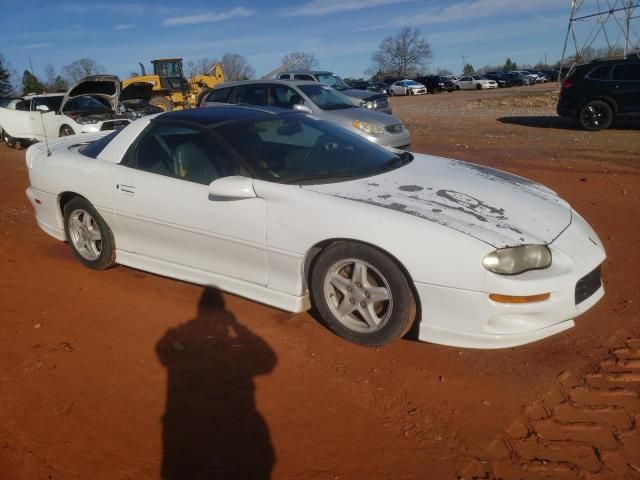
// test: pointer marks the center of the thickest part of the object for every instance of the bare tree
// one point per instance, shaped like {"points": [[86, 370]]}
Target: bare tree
{"points": [[301, 60], [52, 81], [236, 67], [402, 54], [199, 67], [443, 72], [79, 69]]}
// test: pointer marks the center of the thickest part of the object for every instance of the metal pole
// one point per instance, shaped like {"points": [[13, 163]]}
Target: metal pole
{"points": [[626, 28], [574, 6]]}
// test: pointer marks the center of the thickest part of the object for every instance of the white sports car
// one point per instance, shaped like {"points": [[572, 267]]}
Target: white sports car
{"points": [[288, 209], [94, 104]]}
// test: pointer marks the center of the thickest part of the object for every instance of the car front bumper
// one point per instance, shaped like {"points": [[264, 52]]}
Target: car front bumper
{"points": [[465, 318]]}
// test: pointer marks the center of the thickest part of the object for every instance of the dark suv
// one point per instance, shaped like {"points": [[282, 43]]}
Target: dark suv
{"points": [[595, 93]]}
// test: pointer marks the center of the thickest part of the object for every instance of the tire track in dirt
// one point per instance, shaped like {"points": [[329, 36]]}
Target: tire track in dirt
{"points": [[587, 426]]}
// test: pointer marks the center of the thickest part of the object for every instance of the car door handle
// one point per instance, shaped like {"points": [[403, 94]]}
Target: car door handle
{"points": [[126, 189]]}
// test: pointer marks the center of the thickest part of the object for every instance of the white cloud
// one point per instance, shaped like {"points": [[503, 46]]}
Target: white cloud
{"points": [[475, 9], [124, 26], [208, 17], [325, 7], [30, 46]]}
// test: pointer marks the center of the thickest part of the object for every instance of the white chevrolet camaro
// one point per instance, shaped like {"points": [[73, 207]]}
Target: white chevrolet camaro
{"points": [[289, 210]]}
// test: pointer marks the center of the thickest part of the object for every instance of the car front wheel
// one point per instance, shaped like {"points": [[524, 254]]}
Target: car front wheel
{"points": [[361, 294], [595, 115], [89, 235]]}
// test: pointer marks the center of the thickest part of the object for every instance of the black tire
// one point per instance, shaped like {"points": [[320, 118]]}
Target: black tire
{"points": [[479, 87], [391, 94], [595, 115], [66, 130], [382, 274], [457, 87], [106, 257], [161, 102]]}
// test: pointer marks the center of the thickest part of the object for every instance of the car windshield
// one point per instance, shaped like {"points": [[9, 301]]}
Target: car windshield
{"points": [[333, 81], [87, 104], [326, 97], [301, 149]]}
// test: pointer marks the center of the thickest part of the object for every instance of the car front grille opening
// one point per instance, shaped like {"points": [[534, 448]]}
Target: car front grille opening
{"points": [[588, 285]]}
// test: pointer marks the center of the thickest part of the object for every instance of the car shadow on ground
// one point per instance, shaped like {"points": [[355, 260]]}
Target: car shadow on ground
{"points": [[211, 428], [565, 123]]}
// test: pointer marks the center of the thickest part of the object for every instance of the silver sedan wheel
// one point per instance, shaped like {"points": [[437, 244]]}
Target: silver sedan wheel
{"points": [[358, 295], [85, 234]]}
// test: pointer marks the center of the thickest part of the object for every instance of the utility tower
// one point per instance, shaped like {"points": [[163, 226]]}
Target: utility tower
{"points": [[604, 28]]}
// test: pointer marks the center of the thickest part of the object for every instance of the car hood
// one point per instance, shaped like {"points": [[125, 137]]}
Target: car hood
{"points": [[358, 94], [493, 206], [104, 86], [348, 115]]}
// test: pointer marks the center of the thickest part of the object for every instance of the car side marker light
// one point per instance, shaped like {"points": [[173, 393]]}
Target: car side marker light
{"points": [[496, 297]]}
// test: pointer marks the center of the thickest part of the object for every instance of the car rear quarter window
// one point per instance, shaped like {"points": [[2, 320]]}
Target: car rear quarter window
{"points": [[301, 76], [600, 73], [220, 95], [627, 72], [251, 94]]}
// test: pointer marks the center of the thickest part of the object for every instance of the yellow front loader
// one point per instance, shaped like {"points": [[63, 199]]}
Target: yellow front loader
{"points": [[171, 90]]}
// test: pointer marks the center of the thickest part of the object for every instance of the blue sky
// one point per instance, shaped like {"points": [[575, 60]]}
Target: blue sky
{"points": [[342, 33]]}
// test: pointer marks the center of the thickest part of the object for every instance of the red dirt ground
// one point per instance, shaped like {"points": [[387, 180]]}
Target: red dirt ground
{"points": [[124, 375]]}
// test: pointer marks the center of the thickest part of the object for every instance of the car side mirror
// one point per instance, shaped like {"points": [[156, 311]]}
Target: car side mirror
{"points": [[43, 108], [298, 107], [232, 188]]}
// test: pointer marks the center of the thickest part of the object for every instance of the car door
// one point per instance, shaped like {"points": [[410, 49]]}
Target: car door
{"points": [[283, 96], [626, 87], [251, 94], [466, 83], [50, 119], [22, 122], [162, 203]]}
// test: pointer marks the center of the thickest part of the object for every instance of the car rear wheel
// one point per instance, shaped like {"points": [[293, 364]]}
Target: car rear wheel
{"points": [[595, 115], [361, 294], [66, 130], [90, 237]]}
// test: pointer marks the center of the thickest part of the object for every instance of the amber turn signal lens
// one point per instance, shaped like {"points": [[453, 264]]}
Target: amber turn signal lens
{"points": [[513, 299]]}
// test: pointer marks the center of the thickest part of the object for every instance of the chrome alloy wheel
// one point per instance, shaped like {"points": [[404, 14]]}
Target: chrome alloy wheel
{"points": [[595, 116], [358, 295], [85, 234]]}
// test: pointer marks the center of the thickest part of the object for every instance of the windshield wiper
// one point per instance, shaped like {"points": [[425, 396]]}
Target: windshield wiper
{"points": [[319, 176], [397, 161]]}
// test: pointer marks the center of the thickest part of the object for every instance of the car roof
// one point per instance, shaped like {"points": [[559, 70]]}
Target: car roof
{"points": [[258, 82], [312, 72], [215, 115]]}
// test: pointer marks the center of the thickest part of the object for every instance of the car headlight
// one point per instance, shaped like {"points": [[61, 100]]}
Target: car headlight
{"points": [[370, 128], [370, 104], [85, 120], [514, 260]]}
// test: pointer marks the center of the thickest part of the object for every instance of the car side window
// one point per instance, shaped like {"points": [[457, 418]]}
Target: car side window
{"points": [[220, 95], [186, 153], [284, 97], [251, 94], [600, 73], [302, 76], [627, 72]]}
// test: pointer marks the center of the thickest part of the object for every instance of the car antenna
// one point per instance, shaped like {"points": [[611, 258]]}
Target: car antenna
{"points": [[44, 130]]}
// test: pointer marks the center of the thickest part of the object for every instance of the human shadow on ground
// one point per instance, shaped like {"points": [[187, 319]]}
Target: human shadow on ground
{"points": [[211, 428], [565, 123]]}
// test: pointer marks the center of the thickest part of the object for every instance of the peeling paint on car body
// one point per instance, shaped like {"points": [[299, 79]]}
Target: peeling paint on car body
{"points": [[493, 206]]}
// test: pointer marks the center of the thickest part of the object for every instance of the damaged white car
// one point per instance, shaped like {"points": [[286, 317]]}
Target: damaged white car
{"points": [[289, 210], [94, 104]]}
